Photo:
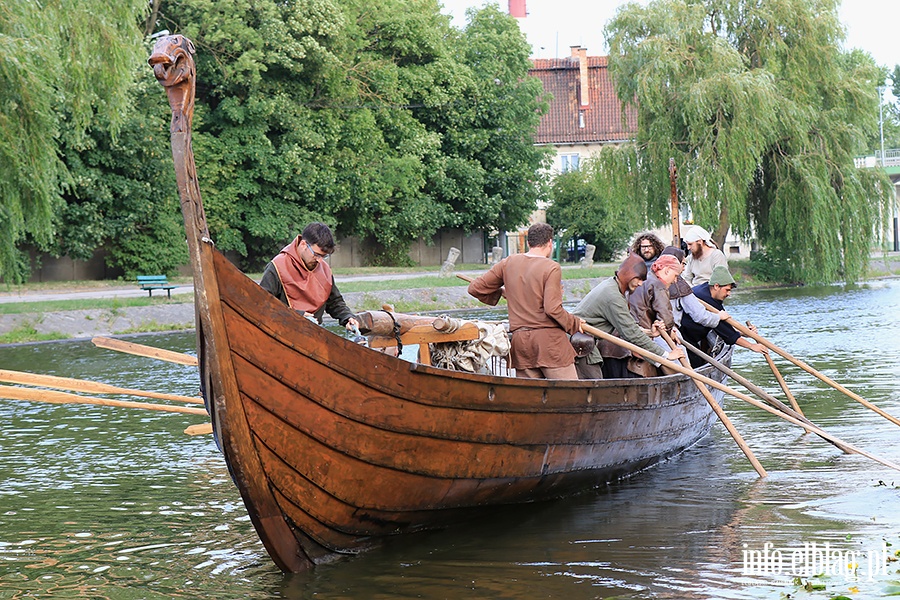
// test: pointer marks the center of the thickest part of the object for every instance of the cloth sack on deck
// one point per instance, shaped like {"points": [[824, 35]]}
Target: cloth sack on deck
{"points": [[473, 356]]}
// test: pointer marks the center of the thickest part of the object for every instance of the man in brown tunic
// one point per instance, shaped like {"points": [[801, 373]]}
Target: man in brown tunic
{"points": [[540, 326]]}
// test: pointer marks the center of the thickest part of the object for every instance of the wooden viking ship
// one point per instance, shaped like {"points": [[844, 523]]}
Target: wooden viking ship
{"points": [[335, 446]]}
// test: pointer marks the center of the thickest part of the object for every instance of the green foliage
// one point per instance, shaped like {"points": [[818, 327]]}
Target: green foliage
{"points": [[768, 268], [491, 178], [763, 112], [123, 194], [378, 118], [596, 203], [59, 62], [889, 115], [26, 332]]}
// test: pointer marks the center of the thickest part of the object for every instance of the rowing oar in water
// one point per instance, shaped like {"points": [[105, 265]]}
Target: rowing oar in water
{"points": [[32, 395], [199, 429], [719, 412], [752, 334], [781, 382], [721, 386], [80, 385], [772, 400], [148, 351]]}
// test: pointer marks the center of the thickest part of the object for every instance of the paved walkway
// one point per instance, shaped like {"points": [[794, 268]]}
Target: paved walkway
{"points": [[132, 291]]}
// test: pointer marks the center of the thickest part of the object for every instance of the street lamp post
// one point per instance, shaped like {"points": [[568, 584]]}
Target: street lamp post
{"points": [[881, 88]]}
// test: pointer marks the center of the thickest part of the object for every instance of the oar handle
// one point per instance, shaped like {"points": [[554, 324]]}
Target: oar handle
{"points": [[81, 385], [199, 429], [141, 350], [32, 395]]}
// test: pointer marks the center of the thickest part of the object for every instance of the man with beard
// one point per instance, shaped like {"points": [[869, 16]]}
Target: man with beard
{"points": [[300, 277], [538, 323], [704, 256], [714, 292], [685, 302], [648, 247], [606, 308]]}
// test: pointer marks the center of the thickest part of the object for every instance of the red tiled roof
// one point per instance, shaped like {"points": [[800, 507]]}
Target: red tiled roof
{"points": [[603, 115]]}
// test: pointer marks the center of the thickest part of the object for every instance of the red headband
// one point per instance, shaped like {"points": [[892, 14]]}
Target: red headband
{"points": [[665, 260]]}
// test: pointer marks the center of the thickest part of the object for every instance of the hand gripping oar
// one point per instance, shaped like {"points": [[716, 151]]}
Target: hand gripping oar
{"points": [[720, 386], [719, 413], [752, 334]]}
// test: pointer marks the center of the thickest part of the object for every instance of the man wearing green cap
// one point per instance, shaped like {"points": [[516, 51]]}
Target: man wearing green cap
{"points": [[714, 293]]}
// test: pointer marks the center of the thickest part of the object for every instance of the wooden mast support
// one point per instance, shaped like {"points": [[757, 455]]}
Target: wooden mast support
{"points": [[676, 227]]}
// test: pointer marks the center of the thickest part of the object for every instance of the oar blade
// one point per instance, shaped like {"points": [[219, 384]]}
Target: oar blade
{"points": [[148, 351]]}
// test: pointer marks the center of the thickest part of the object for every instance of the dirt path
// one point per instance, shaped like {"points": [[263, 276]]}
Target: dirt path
{"points": [[79, 324]]}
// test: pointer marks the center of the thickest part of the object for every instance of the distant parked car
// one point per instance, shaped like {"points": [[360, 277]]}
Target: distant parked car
{"points": [[574, 250]]}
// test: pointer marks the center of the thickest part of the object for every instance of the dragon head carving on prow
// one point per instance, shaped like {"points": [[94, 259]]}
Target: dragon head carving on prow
{"points": [[173, 64]]}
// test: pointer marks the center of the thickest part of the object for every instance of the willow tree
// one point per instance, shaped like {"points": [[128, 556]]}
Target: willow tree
{"points": [[764, 112], [59, 62]]}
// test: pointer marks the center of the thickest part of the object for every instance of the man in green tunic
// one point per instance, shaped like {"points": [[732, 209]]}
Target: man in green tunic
{"points": [[606, 308]]}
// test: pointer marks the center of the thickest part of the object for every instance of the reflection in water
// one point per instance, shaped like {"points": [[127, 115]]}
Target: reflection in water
{"points": [[94, 500]]}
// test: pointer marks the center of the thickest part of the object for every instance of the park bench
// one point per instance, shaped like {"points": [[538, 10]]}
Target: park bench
{"points": [[155, 282]]}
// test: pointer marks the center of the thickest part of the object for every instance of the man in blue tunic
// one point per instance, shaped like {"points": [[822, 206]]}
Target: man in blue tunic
{"points": [[714, 293]]}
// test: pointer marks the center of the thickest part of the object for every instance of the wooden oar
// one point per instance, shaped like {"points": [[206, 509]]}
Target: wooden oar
{"points": [[81, 385], [32, 395], [781, 382], [148, 351], [721, 386], [772, 400], [199, 429], [721, 414], [752, 334]]}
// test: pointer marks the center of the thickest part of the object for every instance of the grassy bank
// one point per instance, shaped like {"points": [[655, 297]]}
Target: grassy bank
{"points": [[367, 286], [413, 294]]}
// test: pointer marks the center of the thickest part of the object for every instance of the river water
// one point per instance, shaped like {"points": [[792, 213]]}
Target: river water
{"points": [[100, 502]]}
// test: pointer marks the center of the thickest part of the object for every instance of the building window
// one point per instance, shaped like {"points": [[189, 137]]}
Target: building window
{"points": [[568, 162]]}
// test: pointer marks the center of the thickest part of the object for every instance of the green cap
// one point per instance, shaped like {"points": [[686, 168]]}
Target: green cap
{"points": [[721, 276]]}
